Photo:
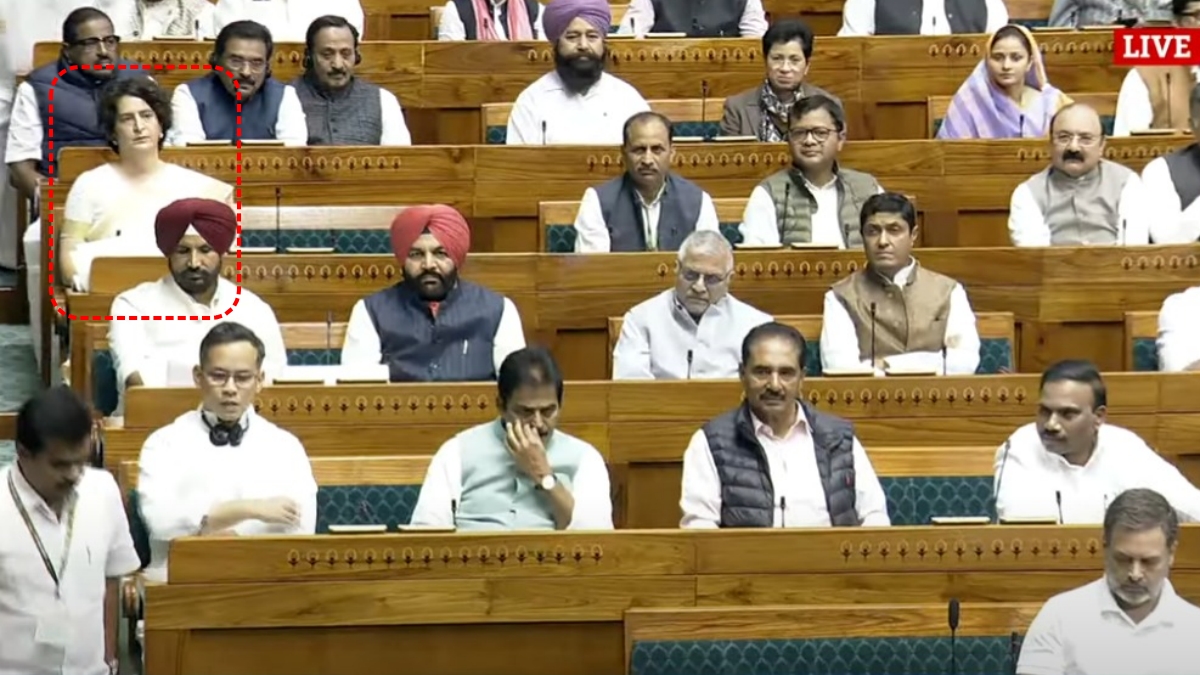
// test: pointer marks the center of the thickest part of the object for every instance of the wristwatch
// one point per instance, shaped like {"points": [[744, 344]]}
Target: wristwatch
{"points": [[548, 482]]}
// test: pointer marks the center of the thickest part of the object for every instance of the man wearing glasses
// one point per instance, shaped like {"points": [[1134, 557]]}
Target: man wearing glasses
{"points": [[692, 331], [815, 201], [1081, 199], [206, 109]]}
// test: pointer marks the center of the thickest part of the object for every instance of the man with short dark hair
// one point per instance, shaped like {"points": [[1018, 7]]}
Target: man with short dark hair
{"points": [[221, 469], [65, 541], [894, 315], [1070, 463], [648, 207], [1129, 622], [519, 472], [210, 108], [776, 461]]}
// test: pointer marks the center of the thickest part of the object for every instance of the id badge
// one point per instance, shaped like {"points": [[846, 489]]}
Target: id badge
{"points": [[54, 628]]}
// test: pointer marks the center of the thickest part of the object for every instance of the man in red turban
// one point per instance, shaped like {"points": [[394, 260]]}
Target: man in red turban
{"points": [[432, 326]]}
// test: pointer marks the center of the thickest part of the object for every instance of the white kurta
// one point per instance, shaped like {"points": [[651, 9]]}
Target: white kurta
{"points": [[760, 220], [1134, 109], [1171, 222], [640, 18], [547, 114], [288, 20], [1179, 331], [858, 17], [1027, 224], [451, 27]]}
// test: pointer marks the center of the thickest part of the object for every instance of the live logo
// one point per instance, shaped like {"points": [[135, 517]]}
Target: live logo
{"points": [[1155, 47]]}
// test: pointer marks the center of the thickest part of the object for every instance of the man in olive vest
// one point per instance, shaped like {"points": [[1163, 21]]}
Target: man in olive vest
{"points": [[894, 315], [1156, 97], [649, 207], [1081, 199], [1171, 185], [339, 107], [816, 201], [757, 465]]}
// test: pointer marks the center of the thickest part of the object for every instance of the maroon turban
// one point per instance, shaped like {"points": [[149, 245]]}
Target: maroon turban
{"points": [[445, 223], [214, 221]]}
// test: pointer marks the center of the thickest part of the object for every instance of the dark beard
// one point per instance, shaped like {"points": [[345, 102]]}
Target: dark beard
{"points": [[195, 286], [578, 74], [427, 293]]}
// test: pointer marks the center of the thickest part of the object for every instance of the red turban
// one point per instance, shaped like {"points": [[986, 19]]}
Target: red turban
{"points": [[213, 220], [445, 223]]}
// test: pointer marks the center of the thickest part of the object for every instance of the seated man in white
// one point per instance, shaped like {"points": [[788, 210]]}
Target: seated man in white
{"points": [[288, 20], [1081, 199], [776, 461], [696, 20], [222, 469], [1172, 184], [518, 472], [648, 207], [694, 330], [432, 326], [1129, 622], [895, 315], [1156, 97], [1179, 332], [1070, 464], [194, 235], [491, 20], [922, 17], [576, 103]]}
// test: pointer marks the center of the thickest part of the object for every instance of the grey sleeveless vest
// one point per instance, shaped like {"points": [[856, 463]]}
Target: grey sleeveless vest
{"points": [[699, 18], [678, 213], [352, 116], [1184, 166]]}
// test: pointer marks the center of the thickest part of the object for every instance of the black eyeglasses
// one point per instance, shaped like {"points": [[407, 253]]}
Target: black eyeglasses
{"points": [[92, 43]]}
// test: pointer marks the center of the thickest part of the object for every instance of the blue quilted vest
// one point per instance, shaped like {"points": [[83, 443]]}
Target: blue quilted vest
{"points": [[218, 109], [76, 107]]}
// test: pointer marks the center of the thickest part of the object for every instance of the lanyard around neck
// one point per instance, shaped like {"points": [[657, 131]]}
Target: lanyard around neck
{"points": [[55, 575]]}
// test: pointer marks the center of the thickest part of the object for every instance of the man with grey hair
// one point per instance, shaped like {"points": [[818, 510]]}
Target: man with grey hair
{"points": [[693, 330], [1130, 622]]}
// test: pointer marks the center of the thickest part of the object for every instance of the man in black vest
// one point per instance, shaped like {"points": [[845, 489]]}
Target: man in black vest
{"points": [[713, 18], [922, 17], [775, 461], [1171, 188], [647, 208], [339, 108], [206, 109], [432, 326]]}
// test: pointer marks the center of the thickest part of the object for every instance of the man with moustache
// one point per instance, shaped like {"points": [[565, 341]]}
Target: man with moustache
{"points": [[432, 326], [776, 461], [648, 207], [1172, 185], [577, 103], [1070, 463], [208, 108], [518, 472], [1081, 199], [194, 235], [1129, 622], [340, 108]]}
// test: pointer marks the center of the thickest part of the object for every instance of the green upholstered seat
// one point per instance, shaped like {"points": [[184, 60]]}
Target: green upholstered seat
{"points": [[995, 356], [560, 237], [914, 500], [375, 240], [389, 505], [1145, 355]]}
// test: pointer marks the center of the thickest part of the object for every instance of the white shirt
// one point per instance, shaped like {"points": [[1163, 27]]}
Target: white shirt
{"points": [[101, 549], [288, 20], [1084, 632], [760, 222], [451, 28], [363, 349], [547, 114], [591, 230], [1179, 331], [839, 339], [660, 340], [24, 24], [1170, 222], [156, 18], [1027, 224], [443, 485], [25, 130], [290, 125], [858, 17], [640, 17], [1134, 110], [792, 464], [182, 476], [154, 348], [1121, 461]]}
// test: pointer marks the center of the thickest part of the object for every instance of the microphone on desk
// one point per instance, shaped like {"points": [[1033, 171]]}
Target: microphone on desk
{"points": [[953, 611], [278, 223], [1123, 239], [454, 513], [783, 511], [999, 481], [1014, 652], [1058, 501], [1021, 132], [329, 338], [689, 364], [945, 366], [1170, 110], [543, 132], [872, 336], [704, 110]]}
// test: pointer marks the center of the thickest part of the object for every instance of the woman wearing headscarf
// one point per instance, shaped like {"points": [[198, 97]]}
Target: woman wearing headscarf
{"points": [[1007, 95]]}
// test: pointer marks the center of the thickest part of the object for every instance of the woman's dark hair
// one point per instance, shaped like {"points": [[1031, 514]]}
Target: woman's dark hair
{"points": [[788, 30], [139, 86]]}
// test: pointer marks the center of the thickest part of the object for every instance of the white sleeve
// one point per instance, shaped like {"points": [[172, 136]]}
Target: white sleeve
{"points": [[1026, 224], [25, 133], [639, 17], [171, 505], [760, 225], [858, 18], [186, 126], [997, 15], [1179, 332], [451, 28], [523, 128], [1131, 209], [1163, 208], [266, 326], [591, 232], [708, 220], [291, 127], [754, 20], [121, 558], [302, 487], [1042, 650], [362, 346], [1158, 474], [131, 348], [839, 339], [592, 494], [870, 500], [1134, 112], [207, 20], [510, 336], [228, 11], [442, 488], [1017, 486], [395, 129], [631, 356], [352, 11], [961, 342], [701, 500]]}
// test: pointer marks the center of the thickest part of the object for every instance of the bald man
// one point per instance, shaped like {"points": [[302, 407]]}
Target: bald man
{"points": [[432, 326], [1081, 199], [194, 235]]}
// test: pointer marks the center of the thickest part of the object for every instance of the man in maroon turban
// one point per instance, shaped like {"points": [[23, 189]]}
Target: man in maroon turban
{"points": [[432, 326]]}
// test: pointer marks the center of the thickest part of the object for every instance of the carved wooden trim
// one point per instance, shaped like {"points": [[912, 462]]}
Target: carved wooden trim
{"points": [[443, 557], [942, 550], [343, 406], [926, 397]]}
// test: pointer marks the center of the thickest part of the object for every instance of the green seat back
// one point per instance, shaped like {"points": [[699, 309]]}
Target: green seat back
{"points": [[358, 241], [995, 356], [1145, 355], [914, 500], [560, 237], [389, 505]]}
